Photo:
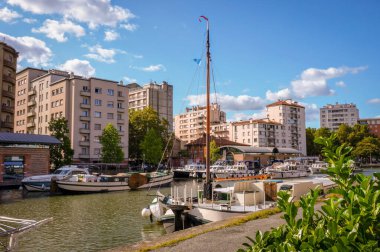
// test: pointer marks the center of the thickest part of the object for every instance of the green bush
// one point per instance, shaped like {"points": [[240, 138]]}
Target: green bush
{"points": [[348, 221]]}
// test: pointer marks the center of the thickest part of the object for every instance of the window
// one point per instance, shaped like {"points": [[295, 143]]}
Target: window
{"points": [[85, 88], [109, 115], [110, 92], [98, 114], [119, 117], [96, 139], [120, 105], [85, 113], [98, 102], [98, 126], [85, 100], [97, 151], [110, 104], [98, 90], [120, 93]]}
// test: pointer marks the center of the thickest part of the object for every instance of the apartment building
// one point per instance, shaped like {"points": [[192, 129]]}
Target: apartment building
{"points": [[373, 125], [8, 65], [157, 96], [88, 104], [258, 133], [191, 125], [291, 116], [333, 115]]}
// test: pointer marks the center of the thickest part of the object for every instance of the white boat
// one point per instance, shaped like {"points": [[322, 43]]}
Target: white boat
{"points": [[42, 183], [239, 169], [319, 167], [190, 170], [110, 183], [291, 168]]}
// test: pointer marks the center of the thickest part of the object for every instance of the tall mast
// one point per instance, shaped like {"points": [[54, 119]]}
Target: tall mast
{"points": [[207, 188]]}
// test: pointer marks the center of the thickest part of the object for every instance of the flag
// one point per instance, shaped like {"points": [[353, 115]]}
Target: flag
{"points": [[198, 61]]}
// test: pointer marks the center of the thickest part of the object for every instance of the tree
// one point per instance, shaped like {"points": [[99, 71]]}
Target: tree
{"points": [[111, 151], [367, 148], [348, 220], [140, 121], [60, 154], [214, 152], [310, 145], [151, 147]]}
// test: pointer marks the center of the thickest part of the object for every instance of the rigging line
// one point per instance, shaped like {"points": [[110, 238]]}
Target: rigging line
{"points": [[213, 80]]}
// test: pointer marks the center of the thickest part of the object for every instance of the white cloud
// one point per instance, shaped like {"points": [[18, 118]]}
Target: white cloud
{"points": [[129, 80], [56, 30], [7, 15], [312, 112], [374, 101], [340, 84], [33, 50], [243, 116], [136, 56], [111, 35], [79, 67], [281, 94], [229, 102], [29, 20], [313, 81], [129, 27], [100, 54], [151, 68], [92, 12]]}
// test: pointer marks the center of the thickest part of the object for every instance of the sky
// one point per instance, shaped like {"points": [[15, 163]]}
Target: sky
{"points": [[314, 52]]}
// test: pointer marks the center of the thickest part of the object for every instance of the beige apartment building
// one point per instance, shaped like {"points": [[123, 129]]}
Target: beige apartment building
{"points": [[191, 125], [157, 96], [291, 115], [333, 115], [8, 65], [88, 104]]}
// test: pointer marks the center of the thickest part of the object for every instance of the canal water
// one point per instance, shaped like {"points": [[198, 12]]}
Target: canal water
{"points": [[91, 222]]}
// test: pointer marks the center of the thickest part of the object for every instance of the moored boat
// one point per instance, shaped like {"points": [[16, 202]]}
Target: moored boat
{"points": [[291, 168], [41, 183]]}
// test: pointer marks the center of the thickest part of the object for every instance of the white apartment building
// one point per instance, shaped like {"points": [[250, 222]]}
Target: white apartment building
{"points": [[191, 125], [291, 115], [88, 104], [333, 115], [157, 96]]}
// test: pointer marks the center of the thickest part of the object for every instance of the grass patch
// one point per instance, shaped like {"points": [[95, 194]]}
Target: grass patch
{"points": [[234, 222]]}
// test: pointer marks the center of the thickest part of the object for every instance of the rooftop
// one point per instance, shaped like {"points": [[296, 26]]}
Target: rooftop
{"points": [[17, 138]]}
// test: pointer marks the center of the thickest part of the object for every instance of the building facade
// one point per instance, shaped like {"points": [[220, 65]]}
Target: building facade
{"points": [[333, 115], [88, 104], [373, 125], [8, 65], [191, 125], [157, 96], [291, 116]]}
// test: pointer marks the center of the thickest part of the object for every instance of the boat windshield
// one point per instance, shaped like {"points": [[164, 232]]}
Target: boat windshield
{"points": [[61, 172]]}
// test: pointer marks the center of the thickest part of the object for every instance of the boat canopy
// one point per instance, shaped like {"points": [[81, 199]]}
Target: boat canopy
{"points": [[258, 150]]}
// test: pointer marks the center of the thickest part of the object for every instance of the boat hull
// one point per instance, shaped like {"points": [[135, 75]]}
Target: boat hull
{"points": [[92, 187], [36, 186], [289, 174], [206, 215]]}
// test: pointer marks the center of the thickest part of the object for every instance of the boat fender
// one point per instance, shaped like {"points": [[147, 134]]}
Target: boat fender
{"points": [[146, 212]]}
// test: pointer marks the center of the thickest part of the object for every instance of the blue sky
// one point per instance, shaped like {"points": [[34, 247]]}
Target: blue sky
{"points": [[316, 52]]}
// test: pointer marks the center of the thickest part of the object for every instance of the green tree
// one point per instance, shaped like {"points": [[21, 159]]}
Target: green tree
{"points": [[140, 121], [367, 148], [60, 154], [349, 219], [310, 145], [214, 152], [343, 133], [111, 151], [151, 147]]}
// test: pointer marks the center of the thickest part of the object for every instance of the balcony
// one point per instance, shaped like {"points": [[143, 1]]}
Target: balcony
{"points": [[8, 94], [84, 131], [8, 109], [85, 93], [121, 133], [32, 103], [85, 106], [84, 118], [31, 113], [84, 143], [8, 125], [120, 120], [84, 155], [10, 64], [30, 125], [120, 110], [9, 79], [32, 92], [121, 98]]}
